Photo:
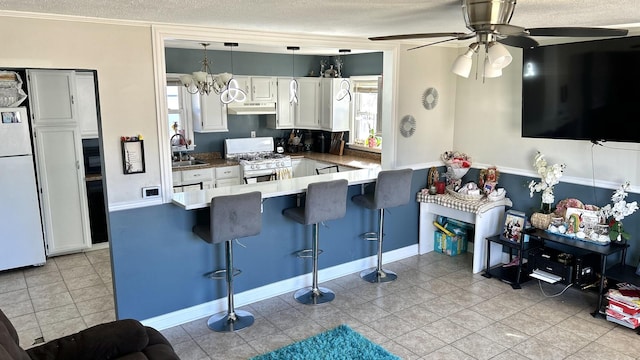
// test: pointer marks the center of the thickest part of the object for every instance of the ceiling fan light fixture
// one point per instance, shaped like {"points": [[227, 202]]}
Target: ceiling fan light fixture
{"points": [[490, 70], [463, 63], [498, 55]]}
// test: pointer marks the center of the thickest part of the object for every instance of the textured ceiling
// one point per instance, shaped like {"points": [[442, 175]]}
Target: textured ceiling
{"points": [[353, 18]]}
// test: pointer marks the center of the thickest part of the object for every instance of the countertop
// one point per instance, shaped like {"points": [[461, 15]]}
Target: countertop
{"points": [[355, 161], [199, 199]]}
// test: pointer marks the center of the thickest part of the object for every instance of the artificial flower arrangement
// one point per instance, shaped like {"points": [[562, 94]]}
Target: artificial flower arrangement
{"points": [[549, 176], [458, 164], [618, 210]]}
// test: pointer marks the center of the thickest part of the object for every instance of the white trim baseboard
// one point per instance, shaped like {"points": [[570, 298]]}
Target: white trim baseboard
{"points": [[207, 309]]}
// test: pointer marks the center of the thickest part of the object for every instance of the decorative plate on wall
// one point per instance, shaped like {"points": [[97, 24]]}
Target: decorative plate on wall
{"points": [[430, 98], [407, 126]]}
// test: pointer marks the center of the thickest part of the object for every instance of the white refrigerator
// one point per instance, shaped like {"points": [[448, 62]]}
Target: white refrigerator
{"points": [[21, 237]]}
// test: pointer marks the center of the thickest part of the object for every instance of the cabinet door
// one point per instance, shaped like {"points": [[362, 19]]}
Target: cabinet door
{"points": [[63, 192], [307, 114], [285, 111], [209, 113], [87, 109], [263, 89], [335, 105], [244, 83], [52, 97]]}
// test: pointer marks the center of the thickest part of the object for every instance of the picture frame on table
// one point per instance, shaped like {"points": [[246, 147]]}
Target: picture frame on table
{"points": [[514, 224]]}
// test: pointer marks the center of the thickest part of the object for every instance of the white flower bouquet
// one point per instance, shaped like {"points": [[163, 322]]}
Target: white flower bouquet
{"points": [[549, 177]]}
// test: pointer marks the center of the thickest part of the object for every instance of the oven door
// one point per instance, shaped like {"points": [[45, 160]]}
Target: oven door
{"points": [[255, 176]]}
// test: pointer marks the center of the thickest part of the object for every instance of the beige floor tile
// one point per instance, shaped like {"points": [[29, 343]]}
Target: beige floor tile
{"points": [[478, 346], [84, 281], [88, 293], [50, 301], [12, 297], [71, 261], [47, 289], [95, 305], [99, 318], [58, 314], [62, 328]]}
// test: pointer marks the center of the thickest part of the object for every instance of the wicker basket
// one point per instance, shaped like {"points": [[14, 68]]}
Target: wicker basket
{"points": [[540, 220], [461, 196]]}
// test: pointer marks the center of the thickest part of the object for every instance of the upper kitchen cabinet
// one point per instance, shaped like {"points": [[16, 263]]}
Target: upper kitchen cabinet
{"points": [[87, 109], [258, 88], [209, 113], [335, 104], [285, 109], [308, 109], [58, 106]]}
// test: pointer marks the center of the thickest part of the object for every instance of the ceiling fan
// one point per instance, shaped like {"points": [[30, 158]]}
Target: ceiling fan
{"points": [[489, 20]]}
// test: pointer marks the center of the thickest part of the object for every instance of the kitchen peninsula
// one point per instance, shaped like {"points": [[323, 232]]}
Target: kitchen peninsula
{"points": [[269, 266]]}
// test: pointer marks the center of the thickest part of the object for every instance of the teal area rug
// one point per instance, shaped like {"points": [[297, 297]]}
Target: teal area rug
{"points": [[341, 343]]}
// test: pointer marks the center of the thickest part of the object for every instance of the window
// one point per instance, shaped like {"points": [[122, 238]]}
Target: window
{"points": [[365, 123], [179, 112]]}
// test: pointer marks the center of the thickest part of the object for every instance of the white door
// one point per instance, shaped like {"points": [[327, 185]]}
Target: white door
{"points": [[64, 197], [51, 94], [209, 113], [263, 89]]}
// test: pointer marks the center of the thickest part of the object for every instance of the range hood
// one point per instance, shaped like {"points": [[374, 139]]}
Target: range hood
{"points": [[251, 108]]}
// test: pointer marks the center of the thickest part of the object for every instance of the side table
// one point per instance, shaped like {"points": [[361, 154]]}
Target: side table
{"points": [[487, 217]]}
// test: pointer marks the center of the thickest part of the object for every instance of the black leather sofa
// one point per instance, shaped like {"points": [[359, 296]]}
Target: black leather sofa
{"points": [[120, 339]]}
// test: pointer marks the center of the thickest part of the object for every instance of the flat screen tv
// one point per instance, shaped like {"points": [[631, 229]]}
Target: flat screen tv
{"points": [[582, 91]]}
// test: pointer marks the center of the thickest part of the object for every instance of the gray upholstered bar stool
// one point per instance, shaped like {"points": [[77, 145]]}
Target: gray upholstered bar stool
{"points": [[232, 217], [393, 188], [325, 200]]}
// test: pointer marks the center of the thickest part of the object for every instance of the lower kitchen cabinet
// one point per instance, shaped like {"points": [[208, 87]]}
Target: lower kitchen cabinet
{"points": [[227, 176], [195, 179]]}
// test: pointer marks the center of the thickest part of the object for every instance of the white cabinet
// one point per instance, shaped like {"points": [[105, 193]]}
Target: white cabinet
{"points": [[63, 193], [335, 102], [308, 110], [227, 175], [258, 88], [285, 111], [194, 179], [52, 96], [209, 113], [87, 109], [59, 160]]}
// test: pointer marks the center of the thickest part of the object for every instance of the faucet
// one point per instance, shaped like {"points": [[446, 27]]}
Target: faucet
{"points": [[186, 144]]}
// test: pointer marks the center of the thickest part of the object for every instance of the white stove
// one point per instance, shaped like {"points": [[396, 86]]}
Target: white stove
{"points": [[258, 162]]}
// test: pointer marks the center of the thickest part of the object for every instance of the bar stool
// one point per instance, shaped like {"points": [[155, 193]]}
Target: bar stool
{"points": [[232, 217], [325, 200], [393, 188]]}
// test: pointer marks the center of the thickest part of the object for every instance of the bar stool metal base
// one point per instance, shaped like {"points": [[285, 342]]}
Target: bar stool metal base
{"points": [[378, 276], [308, 296], [223, 322]]}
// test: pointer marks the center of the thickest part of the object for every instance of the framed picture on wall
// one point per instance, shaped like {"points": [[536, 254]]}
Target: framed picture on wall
{"points": [[132, 156], [514, 223]]}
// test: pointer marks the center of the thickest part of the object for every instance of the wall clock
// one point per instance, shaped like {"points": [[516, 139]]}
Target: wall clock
{"points": [[407, 126], [430, 98]]}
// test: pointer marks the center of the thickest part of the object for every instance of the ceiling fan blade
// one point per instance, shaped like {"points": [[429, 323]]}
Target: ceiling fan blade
{"points": [[577, 31], [419, 36], [429, 44], [523, 42]]}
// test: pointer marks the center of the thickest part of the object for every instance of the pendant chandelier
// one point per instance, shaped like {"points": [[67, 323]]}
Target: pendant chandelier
{"points": [[231, 93], [293, 84], [202, 82]]}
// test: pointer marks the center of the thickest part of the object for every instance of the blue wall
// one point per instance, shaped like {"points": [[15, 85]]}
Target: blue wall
{"points": [[158, 264]]}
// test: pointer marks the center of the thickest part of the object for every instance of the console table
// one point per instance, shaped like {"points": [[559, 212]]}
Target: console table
{"points": [[602, 250], [486, 215]]}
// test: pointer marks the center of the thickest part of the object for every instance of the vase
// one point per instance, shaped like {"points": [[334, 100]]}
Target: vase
{"points": [[546, 208]]}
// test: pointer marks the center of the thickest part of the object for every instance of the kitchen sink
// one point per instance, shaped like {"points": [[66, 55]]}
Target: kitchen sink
{"points": [[185, 163]]}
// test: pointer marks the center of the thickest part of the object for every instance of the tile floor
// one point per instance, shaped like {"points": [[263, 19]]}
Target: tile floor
{"points": [[435, 310]]}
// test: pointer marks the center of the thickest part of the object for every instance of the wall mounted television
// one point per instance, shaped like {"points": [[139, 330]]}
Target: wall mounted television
{"points": [[582, 91]]}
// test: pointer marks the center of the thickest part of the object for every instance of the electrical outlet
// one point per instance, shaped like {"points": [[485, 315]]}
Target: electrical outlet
{"points": [[150, 192], [253, 133]]}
